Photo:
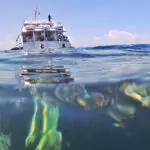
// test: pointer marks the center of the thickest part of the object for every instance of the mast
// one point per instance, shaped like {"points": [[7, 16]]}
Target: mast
{"points": [[36, 12]]}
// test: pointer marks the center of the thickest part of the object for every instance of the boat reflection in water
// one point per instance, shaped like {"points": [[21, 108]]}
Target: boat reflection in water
{"points": [[46, 75]]}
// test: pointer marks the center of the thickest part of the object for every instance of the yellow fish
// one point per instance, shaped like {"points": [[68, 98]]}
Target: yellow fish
{"points": [[32, 135], [82, 102]]}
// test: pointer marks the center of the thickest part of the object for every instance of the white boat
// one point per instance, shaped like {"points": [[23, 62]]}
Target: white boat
{"points": [[43, 35]]}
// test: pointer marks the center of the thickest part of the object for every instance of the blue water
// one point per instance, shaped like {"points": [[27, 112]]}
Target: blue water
{"points": [[101, 70]]}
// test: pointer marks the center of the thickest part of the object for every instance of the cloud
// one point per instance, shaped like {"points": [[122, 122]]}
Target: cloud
{"points": [[118, 37]]}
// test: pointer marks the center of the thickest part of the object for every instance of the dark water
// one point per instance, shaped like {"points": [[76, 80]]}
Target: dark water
{"points": [[95, 72]]}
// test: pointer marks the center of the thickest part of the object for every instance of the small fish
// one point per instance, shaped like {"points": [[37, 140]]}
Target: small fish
{"points": [[126, 109], [119, 125], [116, 116], [81, 102], [86, 96]]}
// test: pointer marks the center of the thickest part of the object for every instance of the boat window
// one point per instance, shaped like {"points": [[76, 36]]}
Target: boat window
{"points": [[50, 35], [27, 37], [65, 38], [39, 36], [61, 36]]}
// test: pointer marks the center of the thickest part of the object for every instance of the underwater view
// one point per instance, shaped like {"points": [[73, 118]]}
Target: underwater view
{"points": [[88, 98]]}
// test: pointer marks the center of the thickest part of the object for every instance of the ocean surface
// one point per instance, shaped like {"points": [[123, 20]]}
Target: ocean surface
{"points": [[96, 98]]}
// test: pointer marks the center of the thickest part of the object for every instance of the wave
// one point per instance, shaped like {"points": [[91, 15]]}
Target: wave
{"points": [[121, 47]]}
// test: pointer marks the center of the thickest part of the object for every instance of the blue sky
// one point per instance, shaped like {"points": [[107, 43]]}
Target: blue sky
{"points": [[92, 22]]}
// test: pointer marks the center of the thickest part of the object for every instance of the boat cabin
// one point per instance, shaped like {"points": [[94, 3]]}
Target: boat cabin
{"points": [[43, 34], [43, 31]]}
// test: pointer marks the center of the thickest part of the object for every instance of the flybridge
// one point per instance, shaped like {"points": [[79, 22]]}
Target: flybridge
{"points": [[38, 22], [43, 25], [36, 25]]}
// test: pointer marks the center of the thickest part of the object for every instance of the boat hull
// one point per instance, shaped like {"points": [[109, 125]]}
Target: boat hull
{"points": [[45, 45]]}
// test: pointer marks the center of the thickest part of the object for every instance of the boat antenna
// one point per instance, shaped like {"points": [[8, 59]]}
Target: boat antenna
{"points": [[36, 12]]}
